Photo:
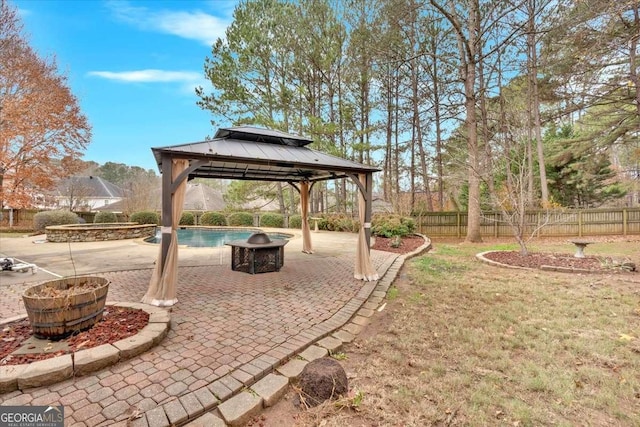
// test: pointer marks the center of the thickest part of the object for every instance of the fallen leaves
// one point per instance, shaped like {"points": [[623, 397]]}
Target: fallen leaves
{"points": [[625, 337], [56, 292], [117, 323]]}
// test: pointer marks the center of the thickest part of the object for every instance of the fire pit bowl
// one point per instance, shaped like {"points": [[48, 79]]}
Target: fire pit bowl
{"points": [[259, 239]]}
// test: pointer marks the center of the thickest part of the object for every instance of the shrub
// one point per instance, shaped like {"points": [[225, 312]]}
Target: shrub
{"points": [[272, 220], [105, 217], [338, 222], [47, 218], [240, 219], [295, 221], [392, 225], [213, 218], [187, 218], [145, 217]]}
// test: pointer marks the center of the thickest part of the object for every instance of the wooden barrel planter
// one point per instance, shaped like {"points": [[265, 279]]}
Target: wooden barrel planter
{"points": [[58, 308]]}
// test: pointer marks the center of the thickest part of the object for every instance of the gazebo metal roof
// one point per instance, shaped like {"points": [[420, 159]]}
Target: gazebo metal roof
{"points": [[249, 153]]}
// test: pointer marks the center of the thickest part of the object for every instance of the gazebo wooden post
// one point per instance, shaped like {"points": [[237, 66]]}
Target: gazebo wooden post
{"points": [[366, 189], [368, 207], [167, 201]]}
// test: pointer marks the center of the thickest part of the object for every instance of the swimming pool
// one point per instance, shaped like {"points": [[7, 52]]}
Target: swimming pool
{"points": [[213, 237]]}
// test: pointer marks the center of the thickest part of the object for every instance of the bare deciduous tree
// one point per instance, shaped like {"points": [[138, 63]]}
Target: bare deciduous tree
{"points": [[40, 119]]}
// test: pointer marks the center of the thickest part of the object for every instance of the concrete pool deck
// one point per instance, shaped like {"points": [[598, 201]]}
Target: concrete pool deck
{"points": [[235, 338]]}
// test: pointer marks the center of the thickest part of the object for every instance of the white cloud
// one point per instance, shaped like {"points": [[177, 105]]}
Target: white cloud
{"points": [[193, 25], [150, 76], [196, 26], [187, 81]]}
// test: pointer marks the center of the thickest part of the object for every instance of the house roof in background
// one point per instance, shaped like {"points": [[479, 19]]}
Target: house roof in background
{"points": [[90, 186], [201, 197], [198, 197]]}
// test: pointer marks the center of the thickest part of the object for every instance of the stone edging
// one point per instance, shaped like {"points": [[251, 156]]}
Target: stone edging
{"points": [[83, 362], [482, 258], [238, 402], [567, 269]]}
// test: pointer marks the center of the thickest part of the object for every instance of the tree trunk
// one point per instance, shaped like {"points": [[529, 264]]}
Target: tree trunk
{"points": [[437, 117], [470, 54], [474, 212], [535, 98]]}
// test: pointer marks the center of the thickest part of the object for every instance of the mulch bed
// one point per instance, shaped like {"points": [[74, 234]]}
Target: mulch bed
{"points": [[538, 259], [407, 244], [117, 323]]}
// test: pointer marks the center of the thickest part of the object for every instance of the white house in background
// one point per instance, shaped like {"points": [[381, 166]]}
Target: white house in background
{"points": [[86, 193]]}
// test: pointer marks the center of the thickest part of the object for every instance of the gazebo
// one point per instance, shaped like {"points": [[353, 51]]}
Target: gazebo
{"points": [[250, 153]]}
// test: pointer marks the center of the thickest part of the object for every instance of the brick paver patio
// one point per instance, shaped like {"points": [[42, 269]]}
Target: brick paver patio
{"points": [[227, 328]]}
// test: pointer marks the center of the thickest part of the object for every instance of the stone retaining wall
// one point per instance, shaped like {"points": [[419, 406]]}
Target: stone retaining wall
{"points": [[97, 232]]}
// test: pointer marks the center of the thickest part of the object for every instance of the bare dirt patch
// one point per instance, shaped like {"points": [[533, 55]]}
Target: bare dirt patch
{"points": [[117, 323]]}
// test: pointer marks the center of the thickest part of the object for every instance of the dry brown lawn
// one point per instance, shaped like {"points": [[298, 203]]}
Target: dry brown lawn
{"points": [[464, 343]]}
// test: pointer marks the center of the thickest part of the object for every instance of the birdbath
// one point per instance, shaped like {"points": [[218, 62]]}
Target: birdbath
{"points": [[580, 247], [315, 223]]}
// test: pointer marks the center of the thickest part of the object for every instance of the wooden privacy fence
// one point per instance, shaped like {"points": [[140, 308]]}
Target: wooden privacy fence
{"points": [[556, 223]]}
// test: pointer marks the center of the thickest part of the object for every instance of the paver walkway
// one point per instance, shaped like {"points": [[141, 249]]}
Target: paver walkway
{"points": [[227, 329]]}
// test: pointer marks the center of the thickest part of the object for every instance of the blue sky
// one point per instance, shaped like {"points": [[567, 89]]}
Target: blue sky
{"points": [[133, 65]]}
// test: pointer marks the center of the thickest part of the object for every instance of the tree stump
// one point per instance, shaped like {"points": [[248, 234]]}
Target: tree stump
{"points": [[322, 379]]}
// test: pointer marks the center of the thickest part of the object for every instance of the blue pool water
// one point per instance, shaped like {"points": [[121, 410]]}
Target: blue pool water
{"points": [[207, 237]]}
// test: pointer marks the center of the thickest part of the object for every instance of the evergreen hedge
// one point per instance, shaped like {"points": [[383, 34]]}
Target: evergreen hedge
{"points": [[240, 219], [275, 220], [145, 217], [213, 218], [105, 217], [187, 218], [295, 221], [41, 220], [391, 225]]}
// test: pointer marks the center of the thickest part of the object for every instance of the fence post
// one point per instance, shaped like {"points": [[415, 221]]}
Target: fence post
{"points": [[625, 218], [579, 223], [458, 224], [495, 224]]}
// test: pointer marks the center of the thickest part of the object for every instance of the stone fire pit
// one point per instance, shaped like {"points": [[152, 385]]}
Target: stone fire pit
{"points": [[257, 254]]}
